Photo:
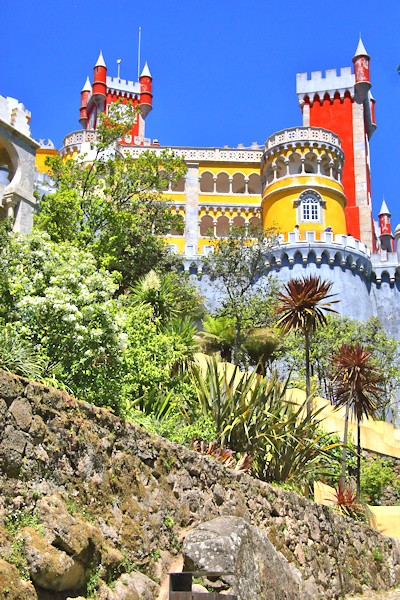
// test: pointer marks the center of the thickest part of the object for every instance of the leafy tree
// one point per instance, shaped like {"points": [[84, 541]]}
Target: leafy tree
{"points": [[111, 203], [262, 346], [155, 356], [236, 265], [302, 306], [218, 335], [357, 385]]}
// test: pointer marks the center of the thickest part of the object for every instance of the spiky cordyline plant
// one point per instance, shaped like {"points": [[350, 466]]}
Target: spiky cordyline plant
{"points": [[302, 306], [357, 384]]}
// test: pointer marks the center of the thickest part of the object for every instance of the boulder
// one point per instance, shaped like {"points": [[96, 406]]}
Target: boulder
{"points": [[72, 534], [50, 568], [132, 586], [231, 544], [11, 586]]}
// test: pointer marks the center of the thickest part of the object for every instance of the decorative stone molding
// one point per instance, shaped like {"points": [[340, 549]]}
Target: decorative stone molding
{"points": [[301, 135]]}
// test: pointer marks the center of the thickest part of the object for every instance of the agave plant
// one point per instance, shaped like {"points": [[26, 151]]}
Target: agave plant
{"points": [[302, 306], [358, 385], [253, 415], [224, 455]]}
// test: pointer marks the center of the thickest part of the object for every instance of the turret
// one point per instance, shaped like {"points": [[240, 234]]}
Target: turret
{"points": [[85, 94], [146, 95], [99, 87], [361, 61], [385, 227]]}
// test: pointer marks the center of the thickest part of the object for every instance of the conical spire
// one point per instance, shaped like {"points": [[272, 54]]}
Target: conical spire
{"points": [[146, 71], [384, 209], [100, 61], [87, 87], [361, 51]]}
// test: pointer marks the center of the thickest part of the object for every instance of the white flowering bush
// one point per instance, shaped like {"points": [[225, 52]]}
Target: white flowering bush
{"points": [[65, 306]]}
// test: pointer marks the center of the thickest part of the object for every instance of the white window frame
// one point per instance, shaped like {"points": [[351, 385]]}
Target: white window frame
{"points": [[309, 207]]}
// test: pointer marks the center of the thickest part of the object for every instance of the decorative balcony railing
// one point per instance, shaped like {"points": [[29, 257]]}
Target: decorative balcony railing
{"points": [[302, 134]]}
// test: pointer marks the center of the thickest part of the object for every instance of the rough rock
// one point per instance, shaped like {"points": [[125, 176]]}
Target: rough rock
{"points": [[232, 545], [71, 534], [50, 568], [132, 497], [22, 412], [11, 586], [133, 586]]}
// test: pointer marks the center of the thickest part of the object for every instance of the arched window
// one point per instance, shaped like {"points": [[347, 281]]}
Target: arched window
{"points": [[254, 185], [238, 185], [310, 163], [178, 186], [310, 203], [238, 222], [206, 226], [207, 183], [222, 226], [254, 224], [223, 183]]}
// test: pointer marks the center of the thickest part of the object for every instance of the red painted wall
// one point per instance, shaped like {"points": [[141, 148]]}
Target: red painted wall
{"points": [[338, 117]]}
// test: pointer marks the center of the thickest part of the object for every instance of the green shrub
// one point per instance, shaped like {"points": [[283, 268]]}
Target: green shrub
{"points": [[376, 474]]}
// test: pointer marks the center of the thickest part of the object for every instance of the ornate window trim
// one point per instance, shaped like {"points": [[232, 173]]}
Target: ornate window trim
{"points": [[309, 207]]}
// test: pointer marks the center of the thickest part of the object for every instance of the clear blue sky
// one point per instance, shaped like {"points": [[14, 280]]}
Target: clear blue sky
{"points": [[223, 70]]}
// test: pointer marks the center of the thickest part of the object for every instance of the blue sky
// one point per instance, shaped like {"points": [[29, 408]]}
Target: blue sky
{"points": [[224, 71]]}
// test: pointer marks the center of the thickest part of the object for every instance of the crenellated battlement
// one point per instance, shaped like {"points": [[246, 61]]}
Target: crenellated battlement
{"points": [[14, 114], [123, 85], [325, 82]]}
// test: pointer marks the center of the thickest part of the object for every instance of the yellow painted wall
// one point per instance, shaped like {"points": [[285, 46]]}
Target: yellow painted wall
{"points": [[279, 210], [376, 436], [41, 155], [386, 519]]}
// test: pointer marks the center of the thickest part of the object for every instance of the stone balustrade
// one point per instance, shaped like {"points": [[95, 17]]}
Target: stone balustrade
{"points": [[301, 134]]}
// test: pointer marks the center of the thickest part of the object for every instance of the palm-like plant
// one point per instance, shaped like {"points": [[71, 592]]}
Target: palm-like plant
{"points": [[218, 336], [302, 306], [357, 384]]}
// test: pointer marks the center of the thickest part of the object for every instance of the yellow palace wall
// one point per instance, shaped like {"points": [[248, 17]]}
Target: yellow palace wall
{"points": [[280, 210]]}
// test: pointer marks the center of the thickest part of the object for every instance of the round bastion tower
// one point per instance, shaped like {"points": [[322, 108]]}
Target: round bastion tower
{"points": [[304, 201], [301, 172]]}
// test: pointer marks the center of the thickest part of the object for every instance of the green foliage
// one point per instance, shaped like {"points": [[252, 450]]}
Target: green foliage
{"points": [[153, 357], [377, 554], [18, 355], [168, 294], [112, 204], [376, 474], [252, 415], [20, 518], [342, 330], [14, 522], [92, 583], [302, 308], [63, 307], [218, 335], [236, 265]]}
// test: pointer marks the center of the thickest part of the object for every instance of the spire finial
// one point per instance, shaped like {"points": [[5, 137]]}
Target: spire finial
{"points": [[361, 51], [100, 61], [146, 71]]}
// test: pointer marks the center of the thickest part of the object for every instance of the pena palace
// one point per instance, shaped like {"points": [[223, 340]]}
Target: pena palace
{"points": [[310, 182]]}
